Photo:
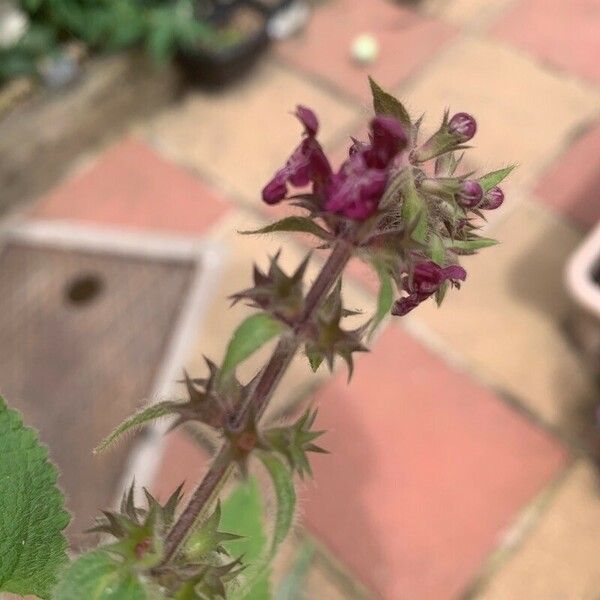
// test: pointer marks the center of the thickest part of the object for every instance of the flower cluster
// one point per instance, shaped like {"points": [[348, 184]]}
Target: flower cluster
{"points": [[355, 190], [414, 213]]}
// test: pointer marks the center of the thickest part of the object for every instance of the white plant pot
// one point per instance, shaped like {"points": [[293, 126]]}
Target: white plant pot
{"points": [[583, 282]]}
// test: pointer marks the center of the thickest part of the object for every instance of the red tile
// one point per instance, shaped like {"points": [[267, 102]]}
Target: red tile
{"points": [[572, 183], [183, 461], [132, 186], [427, 471], [564, 33], [407, 41]]}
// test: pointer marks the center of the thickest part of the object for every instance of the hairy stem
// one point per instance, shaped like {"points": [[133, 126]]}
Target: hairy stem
{"points": [[259, 398]]}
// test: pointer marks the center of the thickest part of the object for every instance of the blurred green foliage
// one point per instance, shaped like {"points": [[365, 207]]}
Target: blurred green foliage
{"points": [[158, 26]]}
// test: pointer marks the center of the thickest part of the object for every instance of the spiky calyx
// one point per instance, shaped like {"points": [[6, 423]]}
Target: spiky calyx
{"points": [[295, 441]]}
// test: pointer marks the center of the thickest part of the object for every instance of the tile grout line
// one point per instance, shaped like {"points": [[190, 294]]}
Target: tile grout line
{"points": [[517, 533]]}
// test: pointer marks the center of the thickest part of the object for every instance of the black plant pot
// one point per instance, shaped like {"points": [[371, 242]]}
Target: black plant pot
{"points": [[219, 66]]}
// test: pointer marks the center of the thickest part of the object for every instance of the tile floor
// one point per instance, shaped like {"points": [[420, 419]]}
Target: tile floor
{"points": [[462, 420]]}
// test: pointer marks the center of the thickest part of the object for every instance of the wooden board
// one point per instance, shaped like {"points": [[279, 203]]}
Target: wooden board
{"points": [[82, 337]]}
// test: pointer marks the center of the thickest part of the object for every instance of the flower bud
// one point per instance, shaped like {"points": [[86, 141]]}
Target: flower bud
{"points": [[449, 137], [470, 194], [463, 126], [493, 199]]}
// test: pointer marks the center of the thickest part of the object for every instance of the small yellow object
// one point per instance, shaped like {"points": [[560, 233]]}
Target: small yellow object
{"points": [[365, 49]]}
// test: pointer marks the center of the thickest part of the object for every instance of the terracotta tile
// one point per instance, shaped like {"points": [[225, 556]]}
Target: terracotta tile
{"points": [[506, 322], [571, 183], [240, 137], [407, 41], [427, 470], [182, 461], [560, 558], [132, 186], [471, 14], [323, 581], [562, 34], [488, 81]]}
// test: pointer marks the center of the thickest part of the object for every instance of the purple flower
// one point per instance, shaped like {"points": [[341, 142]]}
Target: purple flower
{"points": [[355, 191], [427, 278], [463, 126], [307, 164], [493, 199], [470, 194]]}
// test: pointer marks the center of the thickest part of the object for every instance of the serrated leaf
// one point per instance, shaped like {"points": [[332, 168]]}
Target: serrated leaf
{"points": [[285, 494], [97, 576], [32, 517], [474, 244], [150, 413], [492, 179], [253, 333], [293, 224], [293, 584], [386, 104], [385, 298]]}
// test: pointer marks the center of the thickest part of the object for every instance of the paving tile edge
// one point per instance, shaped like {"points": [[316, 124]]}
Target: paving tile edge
{"points": [[517, 534]]}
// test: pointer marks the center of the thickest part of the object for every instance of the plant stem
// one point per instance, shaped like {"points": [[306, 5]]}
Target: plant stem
{"points": [[258, 399]]}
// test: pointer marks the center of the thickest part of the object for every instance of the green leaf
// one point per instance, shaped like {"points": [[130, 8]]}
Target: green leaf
{"points": [[150, 413], [242, 514], [385, 297], [492, 179], [293, 584], [472, 245], [285, 494], [32, 517], [296, 224], [253, 333], [385, 104], [97, 576]]}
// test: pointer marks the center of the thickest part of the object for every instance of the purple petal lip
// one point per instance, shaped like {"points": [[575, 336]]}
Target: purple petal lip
{"points": [[356, 189], [427, 279], [308, 118]]}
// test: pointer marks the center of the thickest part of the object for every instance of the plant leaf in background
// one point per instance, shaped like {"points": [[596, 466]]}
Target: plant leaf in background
{"points": [[32, 515], [253, 333], [98, 576], [492, 179], [293, 584]]}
